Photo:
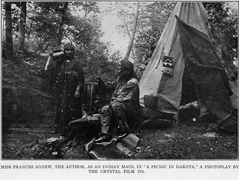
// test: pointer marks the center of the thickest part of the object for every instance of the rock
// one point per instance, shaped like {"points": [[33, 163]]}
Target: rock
{"points": [[51, 140], [87, 125], [168, 135], [211, 134], [55, 140]]}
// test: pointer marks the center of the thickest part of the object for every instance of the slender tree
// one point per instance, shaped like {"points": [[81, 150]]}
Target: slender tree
{"points": [[133, 33], [9, 39], [22, 26]]}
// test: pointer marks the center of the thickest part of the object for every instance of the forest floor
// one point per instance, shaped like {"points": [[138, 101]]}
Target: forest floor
{"points": [[185, 141]]}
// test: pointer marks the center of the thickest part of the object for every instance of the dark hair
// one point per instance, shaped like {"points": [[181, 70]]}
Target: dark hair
{"points": [[126, 65], [69, 46], [126, 71]]}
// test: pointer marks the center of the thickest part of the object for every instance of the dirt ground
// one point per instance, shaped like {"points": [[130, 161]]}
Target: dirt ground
{"points": [[185, 141]]}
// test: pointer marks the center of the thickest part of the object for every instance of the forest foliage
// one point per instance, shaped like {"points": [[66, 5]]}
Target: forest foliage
{"points": [[31, 30]]}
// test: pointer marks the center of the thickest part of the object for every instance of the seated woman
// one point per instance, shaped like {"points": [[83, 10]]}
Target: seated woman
{"points": [[124, 106]]}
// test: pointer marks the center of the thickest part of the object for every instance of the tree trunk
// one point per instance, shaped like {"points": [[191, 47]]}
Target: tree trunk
{"points": [[22, 26], [9, 41], [61, 24], [133, 33]]}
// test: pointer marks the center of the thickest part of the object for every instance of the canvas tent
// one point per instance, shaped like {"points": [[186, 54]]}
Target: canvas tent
{"points": [[184, 66]]}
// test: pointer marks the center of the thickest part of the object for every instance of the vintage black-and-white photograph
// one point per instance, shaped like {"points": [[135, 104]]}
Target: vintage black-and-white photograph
{"points": [[98, 80]]}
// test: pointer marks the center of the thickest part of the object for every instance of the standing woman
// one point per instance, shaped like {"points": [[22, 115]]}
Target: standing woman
{"points": [[69, 87]]}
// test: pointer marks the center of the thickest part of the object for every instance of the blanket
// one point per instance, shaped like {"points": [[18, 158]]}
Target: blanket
{"points": [[115, 149]]}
